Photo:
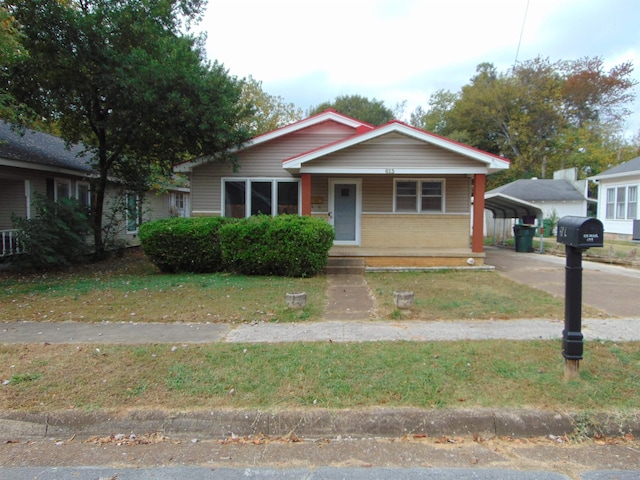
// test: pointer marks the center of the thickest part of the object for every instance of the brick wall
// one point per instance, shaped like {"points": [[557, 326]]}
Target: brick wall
{"points": [[415, 231]]}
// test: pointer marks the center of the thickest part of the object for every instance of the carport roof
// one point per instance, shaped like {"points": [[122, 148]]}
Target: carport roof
{"points": [[505, 206]]}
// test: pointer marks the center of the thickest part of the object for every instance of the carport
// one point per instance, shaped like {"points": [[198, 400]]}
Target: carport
{"points": [[504, 206]]}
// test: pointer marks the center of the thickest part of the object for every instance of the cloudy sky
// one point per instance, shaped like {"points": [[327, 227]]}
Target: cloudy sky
{"points": [[310, 51]]}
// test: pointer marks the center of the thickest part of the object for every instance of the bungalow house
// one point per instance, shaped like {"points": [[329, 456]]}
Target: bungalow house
{"points": [[34, 162], [397, 196], [618, 200]]}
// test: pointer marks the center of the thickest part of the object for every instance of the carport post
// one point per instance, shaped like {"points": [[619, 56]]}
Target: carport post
{"points": [[572, 338]]}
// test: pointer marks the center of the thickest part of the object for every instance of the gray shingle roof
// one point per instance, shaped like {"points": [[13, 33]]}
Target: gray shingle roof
{"points": [[632, 165], [541, 190], [41, 148]]}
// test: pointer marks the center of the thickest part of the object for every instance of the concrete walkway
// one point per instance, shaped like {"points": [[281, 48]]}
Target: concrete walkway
{"points": [[334, 330]]}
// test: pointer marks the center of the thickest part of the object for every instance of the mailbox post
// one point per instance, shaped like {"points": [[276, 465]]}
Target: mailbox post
{"points": [[577, 234]]}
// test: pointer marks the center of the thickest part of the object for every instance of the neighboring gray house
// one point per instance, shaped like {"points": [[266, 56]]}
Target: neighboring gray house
{"points": [[562, 196], [618, 200], [38, 162]]}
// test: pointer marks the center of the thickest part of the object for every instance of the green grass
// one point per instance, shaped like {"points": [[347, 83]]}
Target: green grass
{"points": [[329, 375], [137, 292], [154, 297], [450, 295]]}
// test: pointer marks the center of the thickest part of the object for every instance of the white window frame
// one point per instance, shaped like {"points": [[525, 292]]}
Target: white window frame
{"points": [[418, 206], [621, 209], [247, 200], [632, 206], [176, 198]]}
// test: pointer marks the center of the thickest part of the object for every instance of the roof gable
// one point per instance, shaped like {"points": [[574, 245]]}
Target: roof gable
{"points": [[326, 117], [629, 167], [389, 131], [323, 122]]}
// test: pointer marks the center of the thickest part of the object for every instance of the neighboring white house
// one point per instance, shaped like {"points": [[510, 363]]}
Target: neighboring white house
{"points": [[618, 200]]}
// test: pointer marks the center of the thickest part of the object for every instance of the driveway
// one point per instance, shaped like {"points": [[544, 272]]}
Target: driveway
{"points": [[611, 288]]}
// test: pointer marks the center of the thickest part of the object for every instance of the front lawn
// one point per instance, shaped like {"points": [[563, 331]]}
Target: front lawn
{"points": [[132, 289], [462, 374]]}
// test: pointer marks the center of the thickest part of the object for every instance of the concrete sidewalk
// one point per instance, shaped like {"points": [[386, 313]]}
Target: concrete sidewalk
{"points": [[335, 331]]}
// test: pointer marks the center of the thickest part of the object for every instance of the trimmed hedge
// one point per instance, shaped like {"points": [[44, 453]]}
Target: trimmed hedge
{"points": [[184, 244], [286, 245]]}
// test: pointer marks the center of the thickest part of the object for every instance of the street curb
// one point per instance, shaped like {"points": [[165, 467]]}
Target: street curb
{"points": [[316, 423]]}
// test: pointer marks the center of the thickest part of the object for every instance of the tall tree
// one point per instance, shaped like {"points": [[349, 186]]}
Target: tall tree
{"points": [[271, 112], [371, 111], [11, 50], [121, 78], [541, 115]]}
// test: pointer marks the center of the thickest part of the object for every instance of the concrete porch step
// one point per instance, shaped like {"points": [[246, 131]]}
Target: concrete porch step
{"points": [[345, 266]]}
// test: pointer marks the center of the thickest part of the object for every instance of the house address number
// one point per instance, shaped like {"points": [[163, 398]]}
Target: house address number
{"points": [[390, 171]]}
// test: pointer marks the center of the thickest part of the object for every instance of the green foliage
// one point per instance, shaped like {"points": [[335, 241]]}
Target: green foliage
{"points": [[371, 111], [286, 245], [543, 116], [178, 245], [270, 112], [123, 79], [54, 237]]}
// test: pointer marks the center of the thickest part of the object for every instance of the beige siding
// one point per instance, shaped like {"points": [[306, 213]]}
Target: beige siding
{"points": [[418, 231], [394, 151], [319, 193], [458, 194], [377, 193], [264, 160], [13, 201]]}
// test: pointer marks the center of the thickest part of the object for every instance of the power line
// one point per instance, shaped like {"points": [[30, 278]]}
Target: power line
{"points": [[524, 21]]}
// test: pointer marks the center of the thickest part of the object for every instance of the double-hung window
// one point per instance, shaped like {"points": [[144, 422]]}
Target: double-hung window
{"points": [[419, 196], [622, 203], [267, 196]]}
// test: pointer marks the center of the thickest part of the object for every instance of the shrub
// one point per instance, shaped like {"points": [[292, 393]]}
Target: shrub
{"points": [[55, 237], [184, 244], [286, 245]]}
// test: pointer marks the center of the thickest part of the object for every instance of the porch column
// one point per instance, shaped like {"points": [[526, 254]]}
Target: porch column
{"points": [[479, 187], [306, 193]]}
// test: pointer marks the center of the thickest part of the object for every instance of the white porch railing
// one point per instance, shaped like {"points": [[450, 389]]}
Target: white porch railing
{"points": [[9, 245]]}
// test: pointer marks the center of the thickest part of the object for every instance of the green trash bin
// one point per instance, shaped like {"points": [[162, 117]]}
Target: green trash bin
{"points": [[546, 225], [523, 235]]}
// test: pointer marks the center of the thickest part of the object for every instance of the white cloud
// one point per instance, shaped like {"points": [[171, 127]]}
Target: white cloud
{"points": [[394, 50]]}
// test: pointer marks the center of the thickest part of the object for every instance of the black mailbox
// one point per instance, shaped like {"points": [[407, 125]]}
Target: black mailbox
{"points": [[580, 232]]}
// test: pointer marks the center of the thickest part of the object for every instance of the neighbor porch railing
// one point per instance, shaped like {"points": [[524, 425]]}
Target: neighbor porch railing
{"points": [[9, 245]]}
